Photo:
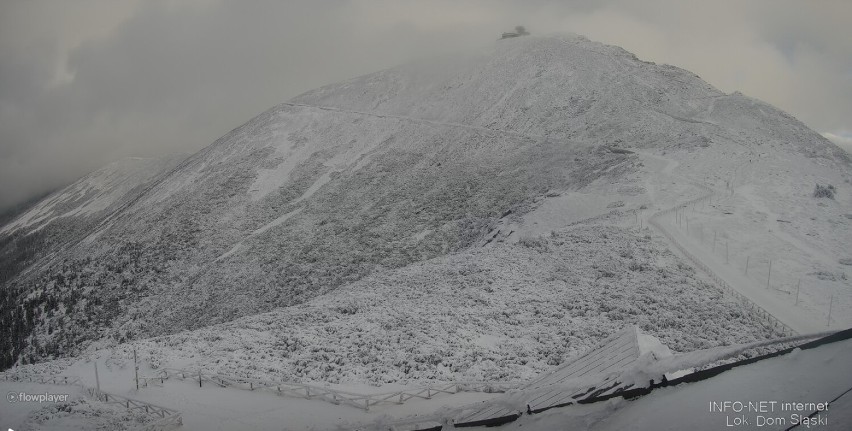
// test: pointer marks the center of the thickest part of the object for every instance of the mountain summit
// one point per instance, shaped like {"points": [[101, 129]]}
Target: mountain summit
{"points": [[376, 172]]}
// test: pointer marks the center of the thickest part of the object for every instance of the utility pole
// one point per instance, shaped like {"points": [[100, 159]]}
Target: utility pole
{"points": [[746, 271]]}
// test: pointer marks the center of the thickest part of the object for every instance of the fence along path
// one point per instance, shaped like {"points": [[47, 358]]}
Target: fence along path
{"points": [[164, 418], [772, 321], [567, 385], [334, 396]]}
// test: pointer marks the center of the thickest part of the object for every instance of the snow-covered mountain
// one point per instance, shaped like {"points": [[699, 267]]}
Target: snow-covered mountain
{"points": [[65, 216], [401, 166], [101, 191]]}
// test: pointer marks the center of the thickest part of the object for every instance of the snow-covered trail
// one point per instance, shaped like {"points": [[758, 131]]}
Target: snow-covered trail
{"points": [[767, 299], [764, 298]]}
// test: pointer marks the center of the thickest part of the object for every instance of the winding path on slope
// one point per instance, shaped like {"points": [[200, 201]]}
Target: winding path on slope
{"points": [[770, 305]]}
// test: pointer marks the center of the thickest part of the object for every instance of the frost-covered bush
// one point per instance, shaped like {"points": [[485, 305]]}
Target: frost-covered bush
{"points": [[533, 242], [826, 191], [81, 413], [506, 312]]}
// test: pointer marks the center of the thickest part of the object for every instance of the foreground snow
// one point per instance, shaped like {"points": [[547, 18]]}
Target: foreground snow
{"points": [[79, 412], [804, 376], [815, 375]]}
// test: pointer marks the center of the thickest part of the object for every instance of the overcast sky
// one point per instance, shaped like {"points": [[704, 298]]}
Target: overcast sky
{"points": [[85, 82]]}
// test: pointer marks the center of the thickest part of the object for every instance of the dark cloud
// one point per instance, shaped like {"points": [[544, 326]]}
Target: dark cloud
{"points": [[86, 82]]}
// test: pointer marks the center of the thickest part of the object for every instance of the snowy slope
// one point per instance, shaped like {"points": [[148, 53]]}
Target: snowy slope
{"points": [[93, 194], [502, 313], [409, 164], [51, 225], [770, 214]]}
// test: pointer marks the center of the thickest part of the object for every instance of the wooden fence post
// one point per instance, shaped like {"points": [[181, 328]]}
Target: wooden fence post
{"points": [[136, 369], [798, 287], [769, 274], [830, 304], [97, 378]]}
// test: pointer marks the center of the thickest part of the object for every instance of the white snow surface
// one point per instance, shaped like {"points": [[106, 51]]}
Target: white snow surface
{"points": [[79, 412], [804, 376]]}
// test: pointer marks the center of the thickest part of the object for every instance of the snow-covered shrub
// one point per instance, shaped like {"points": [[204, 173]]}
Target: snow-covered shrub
{"points": [[534, 242], [507, 312], [826, 191], [86, 414]]}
